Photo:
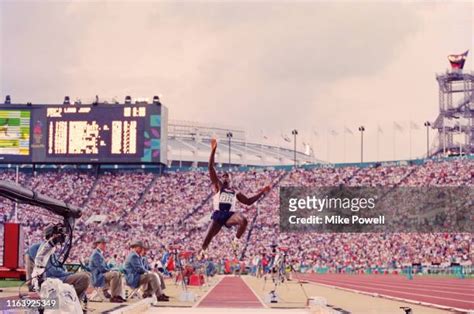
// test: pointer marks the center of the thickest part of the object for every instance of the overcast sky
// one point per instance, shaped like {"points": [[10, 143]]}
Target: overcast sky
{"points": [[270, 66]]}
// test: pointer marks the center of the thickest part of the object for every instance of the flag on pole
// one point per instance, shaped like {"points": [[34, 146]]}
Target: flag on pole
{"points": [[457, 61], [263, 135], [414, 126], [307, 149], [397, 127], [315, 133], [334, 133], [379, 129], [286, 138], [347, 130]]}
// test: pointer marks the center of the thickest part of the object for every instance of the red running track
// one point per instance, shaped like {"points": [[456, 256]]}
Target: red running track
{"points": [[448, 292], [231, 292]]}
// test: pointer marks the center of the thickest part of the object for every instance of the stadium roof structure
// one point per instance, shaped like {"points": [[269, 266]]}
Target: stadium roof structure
{"points": [[189, 145]]}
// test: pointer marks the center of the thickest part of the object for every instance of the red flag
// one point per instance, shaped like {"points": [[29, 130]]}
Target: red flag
{"points": [[457, 61]]}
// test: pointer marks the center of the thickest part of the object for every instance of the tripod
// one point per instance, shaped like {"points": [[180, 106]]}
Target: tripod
{"points": [[278, 272], [185, 295], [179, 267]]}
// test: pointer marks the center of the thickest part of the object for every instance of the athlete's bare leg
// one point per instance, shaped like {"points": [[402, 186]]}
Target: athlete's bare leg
{"points": [[211, 233], [237, 219]]}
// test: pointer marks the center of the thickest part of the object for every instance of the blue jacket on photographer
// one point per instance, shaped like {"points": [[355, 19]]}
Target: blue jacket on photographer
{"points": [[32, 250], [54, 270]]}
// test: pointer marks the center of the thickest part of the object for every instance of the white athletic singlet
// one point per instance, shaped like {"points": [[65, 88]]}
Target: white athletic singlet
{"points": [[225, 199]]}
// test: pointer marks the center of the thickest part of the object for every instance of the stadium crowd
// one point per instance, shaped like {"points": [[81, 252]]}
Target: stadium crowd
{"points": [[174, 209]]}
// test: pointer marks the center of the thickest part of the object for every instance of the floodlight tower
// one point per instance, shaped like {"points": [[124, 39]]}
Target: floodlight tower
{"points": [[456, 109]]}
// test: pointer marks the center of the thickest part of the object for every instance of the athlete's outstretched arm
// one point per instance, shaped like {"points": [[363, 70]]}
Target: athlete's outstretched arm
{"points": [[250, 200], [212, 171]]}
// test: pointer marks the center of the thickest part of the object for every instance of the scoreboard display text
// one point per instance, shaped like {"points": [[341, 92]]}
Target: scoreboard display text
{"points": [[81, 134]]}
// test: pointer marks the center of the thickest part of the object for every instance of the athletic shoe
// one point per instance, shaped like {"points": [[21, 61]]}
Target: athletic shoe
{"points": [[116, 300], [201, 255], [162, 298]]}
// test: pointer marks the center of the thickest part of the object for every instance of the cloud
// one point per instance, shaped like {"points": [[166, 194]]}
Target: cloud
{"points": [[259, 65]]}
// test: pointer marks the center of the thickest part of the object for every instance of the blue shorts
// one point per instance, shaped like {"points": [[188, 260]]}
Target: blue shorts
{"points": [[221, 216]]}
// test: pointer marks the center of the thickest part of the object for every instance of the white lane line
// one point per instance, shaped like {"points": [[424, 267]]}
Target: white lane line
{"points": [[385, 296], [406, 293], [258, 297], [462, 284], [209, 291], [398, 285]]}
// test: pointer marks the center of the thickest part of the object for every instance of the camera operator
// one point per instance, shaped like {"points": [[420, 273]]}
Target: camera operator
{"points": [[47, 264], [30, 263]]}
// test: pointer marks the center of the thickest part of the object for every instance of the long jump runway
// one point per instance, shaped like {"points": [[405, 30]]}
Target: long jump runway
{"points": [[442, 292], [231, 292]]}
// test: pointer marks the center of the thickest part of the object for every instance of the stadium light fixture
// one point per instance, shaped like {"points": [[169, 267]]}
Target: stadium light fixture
{"points": [[427, 125], [229, 136], [361, 129], [8, 100], [96, 101], [128, 100], [156, 100], [294, 132], [67, 100]]}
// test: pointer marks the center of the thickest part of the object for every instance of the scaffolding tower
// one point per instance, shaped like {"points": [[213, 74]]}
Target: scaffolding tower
{"points": [[455, 121]]}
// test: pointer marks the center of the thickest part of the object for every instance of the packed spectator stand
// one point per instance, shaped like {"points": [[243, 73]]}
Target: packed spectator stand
{"points": [[174, 208]]}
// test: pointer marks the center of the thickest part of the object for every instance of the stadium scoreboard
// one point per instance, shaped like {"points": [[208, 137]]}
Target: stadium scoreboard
{"points": [[83, 133]]}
